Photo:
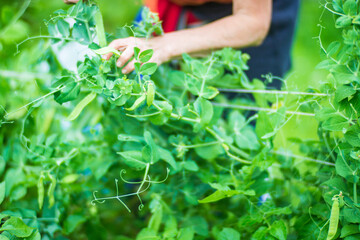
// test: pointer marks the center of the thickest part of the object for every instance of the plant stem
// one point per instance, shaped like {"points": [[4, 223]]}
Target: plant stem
{"points": [[303, 158], [16, 16], [355, 193], [273, 92], [251, 108]]}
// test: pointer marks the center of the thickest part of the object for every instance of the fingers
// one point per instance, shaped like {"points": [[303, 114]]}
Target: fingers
{"points": [[129, 67], [70, 1], [125, 56]]}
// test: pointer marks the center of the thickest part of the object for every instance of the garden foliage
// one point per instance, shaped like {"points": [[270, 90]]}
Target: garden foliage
{"points": [[161, 154]]}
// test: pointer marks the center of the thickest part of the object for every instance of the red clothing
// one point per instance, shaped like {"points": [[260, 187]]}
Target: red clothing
{"points": [[170, 10]]}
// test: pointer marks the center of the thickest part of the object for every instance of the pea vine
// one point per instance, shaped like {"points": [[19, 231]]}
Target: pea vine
{"points": [[225, 178]]}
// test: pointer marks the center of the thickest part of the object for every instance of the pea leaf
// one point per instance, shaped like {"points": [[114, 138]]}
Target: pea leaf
{"points": [[279, 230], [146, 55], [221, 194], [349, 229], [133, 159], [228, 234], [352, 215], [2, 192], [148, 68], [69, 93], [205, 110], [344, 92], [63, 27], [336, 123], [16, 227], [81, 33], [186, 233], [147, 234], [72, 222]]}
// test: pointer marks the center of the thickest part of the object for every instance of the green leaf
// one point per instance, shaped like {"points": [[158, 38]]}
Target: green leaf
{"points": [[72, 222], [148, 68], [344, 92], [156, 219], [343, 21], [17, 227], [63, 27], [80, 106], [146, 55], [342, 168], [191, 166], [228, 234], [279, 230], [147, 234], [325, 113], [351, 215], [166, 155], [81, 33], [106, 50], [205, 110], [150, 152], [352, 136], [350, 7], [136, 53], [69, 93], [333, 48], [336, 123], [187, 233], [133, 159], [199, 225], [349, 229], [2, 192]]}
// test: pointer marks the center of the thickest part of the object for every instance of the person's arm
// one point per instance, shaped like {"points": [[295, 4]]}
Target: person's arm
{"points": [[248, 26]]}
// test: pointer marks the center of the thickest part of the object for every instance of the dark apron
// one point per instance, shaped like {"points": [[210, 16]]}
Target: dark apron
{"points": [[273, 55]]}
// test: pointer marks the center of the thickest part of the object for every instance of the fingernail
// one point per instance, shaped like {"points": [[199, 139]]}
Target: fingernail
{"points": [[103, 56], [124, 71], [118, 64]]}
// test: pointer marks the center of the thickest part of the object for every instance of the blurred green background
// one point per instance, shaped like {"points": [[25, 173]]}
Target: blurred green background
{"points": [[306, 51]]}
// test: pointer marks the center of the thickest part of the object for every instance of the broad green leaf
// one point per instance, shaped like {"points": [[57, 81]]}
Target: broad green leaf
{"points": [[191, 166], [343, 21], [106, 50], [336, 123], [81, 33], [147, 234], [342, 167], [69, 93], [352, 136], [349, 229], [351, 215], [2, 192], [150, 152], [324, 114], [16, 227], [63, 27], [146, 55], [81, 105], [333, 48], [199, 225], [205, 110], [350, 7], [170, 230], [72, 222], [228, 234], [148, 68], [166, 155], [279, 230], [344, 92], [186, 233], [156, 219], [133, 159]]}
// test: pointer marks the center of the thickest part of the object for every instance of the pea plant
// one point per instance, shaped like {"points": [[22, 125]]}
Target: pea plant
{"points": [[168, 152]]}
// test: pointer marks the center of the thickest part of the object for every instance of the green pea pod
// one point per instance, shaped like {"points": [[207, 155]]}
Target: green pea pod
{"points": [[81, 105], [334, 219], [150, 96], [41, 191], [106, 50], [137, 103], [51, 190]]}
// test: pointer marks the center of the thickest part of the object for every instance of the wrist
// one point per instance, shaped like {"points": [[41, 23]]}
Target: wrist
{"points": [[162, 48]]}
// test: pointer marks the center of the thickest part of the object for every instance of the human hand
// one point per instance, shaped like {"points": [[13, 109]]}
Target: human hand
{"points": [[70, 1], [127, 45]]}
